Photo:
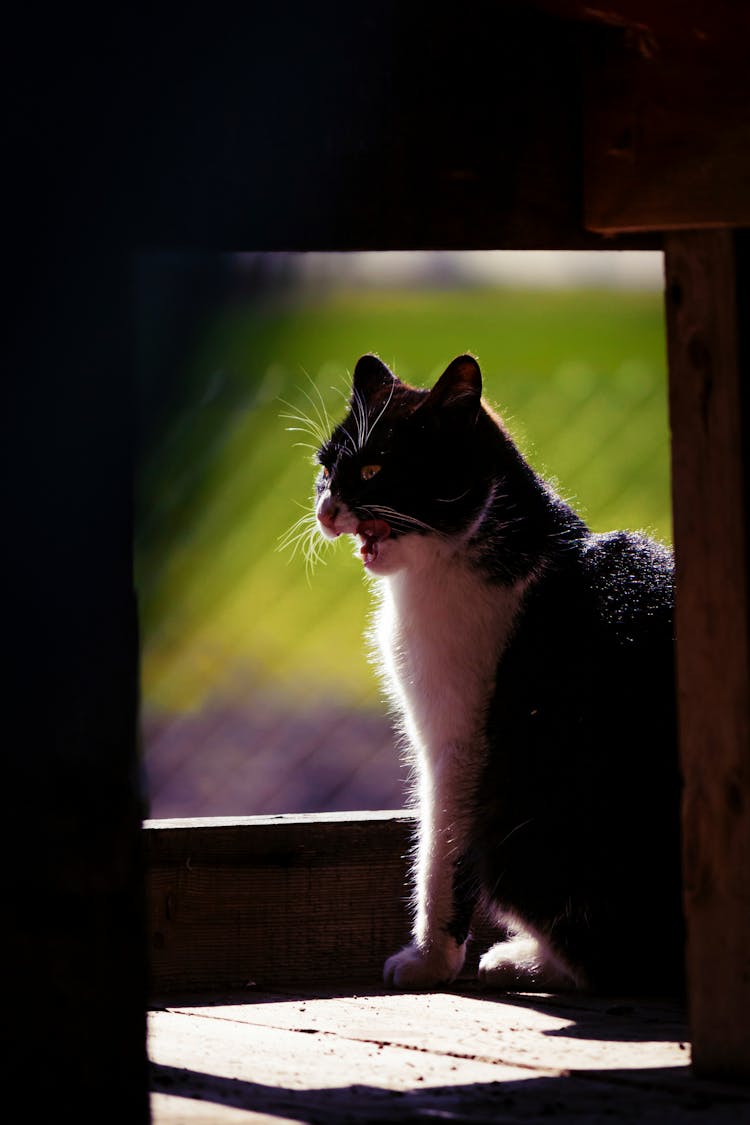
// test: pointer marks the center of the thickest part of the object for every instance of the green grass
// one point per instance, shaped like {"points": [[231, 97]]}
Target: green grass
{"points": [[578, 376]]}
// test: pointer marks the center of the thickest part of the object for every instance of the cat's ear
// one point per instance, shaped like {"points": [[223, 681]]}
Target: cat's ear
{"points": [[460, 384], [370, 376]]}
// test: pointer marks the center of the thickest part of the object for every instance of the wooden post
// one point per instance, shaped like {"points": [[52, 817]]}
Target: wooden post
{"points": [[708, 328], [76, 966]]}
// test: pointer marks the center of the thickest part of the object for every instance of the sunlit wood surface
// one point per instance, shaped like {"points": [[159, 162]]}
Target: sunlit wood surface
{"points": [[465, 1056]]}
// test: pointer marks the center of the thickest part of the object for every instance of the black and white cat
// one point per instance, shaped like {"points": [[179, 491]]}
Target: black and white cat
{"points": [[531, 662]]}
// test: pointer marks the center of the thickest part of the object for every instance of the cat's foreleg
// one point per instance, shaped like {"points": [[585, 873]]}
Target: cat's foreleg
{"points": [[445, 904], [445, 897]]}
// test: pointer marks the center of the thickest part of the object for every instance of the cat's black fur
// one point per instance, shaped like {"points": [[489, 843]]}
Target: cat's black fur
{"points": [[571, 817], [585, 699]]}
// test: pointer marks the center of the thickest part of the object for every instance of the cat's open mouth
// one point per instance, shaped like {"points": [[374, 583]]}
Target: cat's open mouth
{"points": [[372, 533]]}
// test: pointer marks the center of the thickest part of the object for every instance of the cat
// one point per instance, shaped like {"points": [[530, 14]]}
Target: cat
{"points": [[531, 664]]}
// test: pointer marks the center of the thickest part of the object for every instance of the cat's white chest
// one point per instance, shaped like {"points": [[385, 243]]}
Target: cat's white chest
{"points": [[441, 631]]}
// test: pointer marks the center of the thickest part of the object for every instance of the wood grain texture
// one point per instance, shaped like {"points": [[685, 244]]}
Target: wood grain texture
{"points": [[667, 135], [269, 901], [460, 1055], [275, 899], [518, 1030], [707, 322]]}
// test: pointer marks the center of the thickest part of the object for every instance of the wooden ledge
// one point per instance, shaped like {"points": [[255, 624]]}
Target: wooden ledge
{"points": [[268, 900]]}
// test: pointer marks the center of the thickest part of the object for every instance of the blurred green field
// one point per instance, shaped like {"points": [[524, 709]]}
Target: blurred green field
{"points": [[579, 377]]}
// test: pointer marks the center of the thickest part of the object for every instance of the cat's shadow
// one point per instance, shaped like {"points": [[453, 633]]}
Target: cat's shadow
{"points": [[595, 1017]]}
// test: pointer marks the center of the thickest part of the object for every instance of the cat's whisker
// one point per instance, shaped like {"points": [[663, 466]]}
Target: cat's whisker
{"points": [[351, 442], [306, 425], [369, 432], [359, 413], [313, 552], [324, 422], [348, 436], [344, 392], [348, 395], [298, 530], [452, 499], [293, 536], [309, 432], [314, 426], [321, 400], [303, 537], [305, 445], [392, 516]]}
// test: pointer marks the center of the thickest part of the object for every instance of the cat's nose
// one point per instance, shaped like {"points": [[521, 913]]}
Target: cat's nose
{"points": [[327, 511]]}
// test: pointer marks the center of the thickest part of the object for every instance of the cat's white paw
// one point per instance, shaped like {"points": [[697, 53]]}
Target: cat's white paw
{"points": [[523, 964], [416, 968], [509, 965]]}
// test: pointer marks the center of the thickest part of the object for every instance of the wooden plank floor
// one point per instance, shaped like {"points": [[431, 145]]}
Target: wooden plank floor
{"points": [[459, 1056]]}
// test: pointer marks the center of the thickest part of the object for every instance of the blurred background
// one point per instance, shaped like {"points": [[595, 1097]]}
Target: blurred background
{"points": [[257, 693]]}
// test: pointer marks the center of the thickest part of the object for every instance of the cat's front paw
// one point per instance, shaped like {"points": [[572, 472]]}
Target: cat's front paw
{"points": [[414, 967]]}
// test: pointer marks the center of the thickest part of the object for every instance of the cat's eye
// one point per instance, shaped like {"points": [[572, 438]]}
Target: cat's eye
{"points": [[325, 473], [367, 472]]}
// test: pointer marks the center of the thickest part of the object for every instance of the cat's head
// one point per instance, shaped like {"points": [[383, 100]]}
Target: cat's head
{"points": [[408, 470]]}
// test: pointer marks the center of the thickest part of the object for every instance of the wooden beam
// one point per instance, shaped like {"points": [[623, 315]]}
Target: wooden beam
{"points": [[708, 326], [349, 131], [723, 23], [667, 136], [275, 900], [73, 903], [271, 901]]}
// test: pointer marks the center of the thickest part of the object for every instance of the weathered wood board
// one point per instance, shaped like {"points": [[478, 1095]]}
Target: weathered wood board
{"points": [[271, 900], [666, 117], [708, 313], [459, 1056]]}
